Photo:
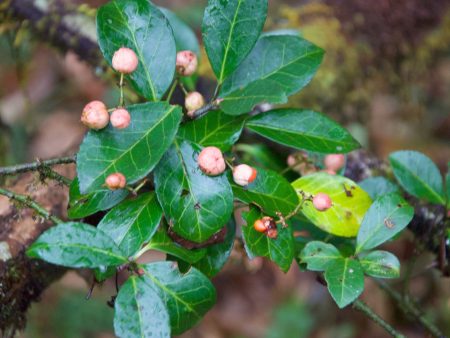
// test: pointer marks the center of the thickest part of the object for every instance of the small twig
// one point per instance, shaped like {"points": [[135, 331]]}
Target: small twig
{"points": [[205, 109], [409, 308], [172, 89], [365, 309], [35, 166], [183, 88], [216, 91], [121, 101], [30, 203]]}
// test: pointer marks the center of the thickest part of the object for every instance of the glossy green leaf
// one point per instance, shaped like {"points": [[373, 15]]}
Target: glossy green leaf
{"points": [[230, 30], [217, 254], [162, 242], [277, 67], [303, 129], [185, 38], [103, 273], [81, 206], [378, 186], [418, 175], [76, 245], [141, 26], [319, 255], [214, 129], [269, 191], [345, 281], [387, 216], [133, 151], [195, 204], [279, 250], [380, 264], [187, 296], [260, 155], [139, 311], [133, 222], [349, 203]]}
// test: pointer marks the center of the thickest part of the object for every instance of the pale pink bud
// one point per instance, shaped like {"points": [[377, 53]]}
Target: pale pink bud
{"points": [[95, 115], [116, 181], [244, 174], [186, 63], [192, 102], [322, 202], [211, 161], [125, 60], [334, 162], [120, 118]]}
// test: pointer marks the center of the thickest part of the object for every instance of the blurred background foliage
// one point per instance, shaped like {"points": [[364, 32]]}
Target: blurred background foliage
{"points": [[385, 76]]}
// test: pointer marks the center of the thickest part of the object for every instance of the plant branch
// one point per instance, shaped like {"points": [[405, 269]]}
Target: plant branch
{"points": [[35, 166], [30, 203], [205, 109], [406, 305], [366, 310]]}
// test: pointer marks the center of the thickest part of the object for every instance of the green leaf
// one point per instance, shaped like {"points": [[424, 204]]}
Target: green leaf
{"points": [[378, 186], [133, 151], [81, 206], [230, 30], [141, 26], [133, 222], [187, 296], [345, 281], [76, 245], [269, 191], [139, 311], [277, 67], [196, 205], [303, 129], [214, 129], [217, 254], [319, 255], [261, 156], [349, 203], [279, 250], [380, 264], [447, 185], [162, 242], [418, 175], [185, 38], [387, 216]]}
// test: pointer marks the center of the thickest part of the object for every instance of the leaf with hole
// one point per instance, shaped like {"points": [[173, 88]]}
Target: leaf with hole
{"points": [[349, 203], [380, 264], [387, 216], [318, 256], [418, 175], [133, 151], [142, 27], [187, 296], [133, 222], [303, 129]]}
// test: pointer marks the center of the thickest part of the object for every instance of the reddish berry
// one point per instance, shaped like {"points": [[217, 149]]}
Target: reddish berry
{"points": [[244, 174], [192, 102], [120, 118], [95, 115], [125, 60], [140, 272], [259, 226], [322, 202], [116, 181], [272, 233], [334, 162], [186, 63], [211, 161]]}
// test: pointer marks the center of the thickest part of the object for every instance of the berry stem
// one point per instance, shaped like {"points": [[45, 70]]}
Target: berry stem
{"points": [[121, 102], [30, 203], [183, 88], [172, 89]]}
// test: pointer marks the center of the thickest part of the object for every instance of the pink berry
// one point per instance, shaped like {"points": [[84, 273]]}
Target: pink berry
{"points": [[116, 181], [95, 115], [120, 118], [192, 102], [322, 202], [186, 63], [125, 60], [243, 174], [334, 162], [211, 161]]}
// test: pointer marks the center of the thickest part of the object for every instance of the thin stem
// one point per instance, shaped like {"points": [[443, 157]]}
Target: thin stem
{"points": [[216, 91], [121, 102], [405, 304], [172, 89], [35, 166], [205, 110], [47, 172], [365, 309], [30, 203]]}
